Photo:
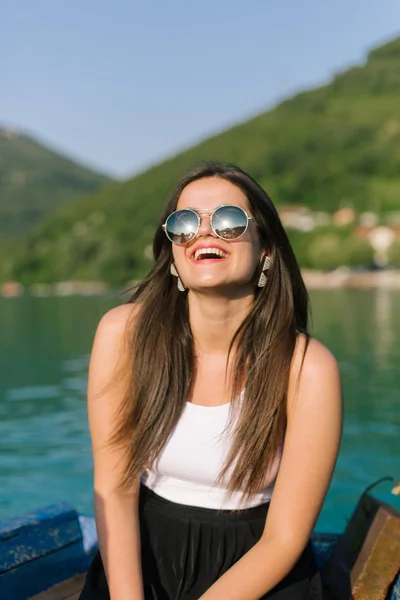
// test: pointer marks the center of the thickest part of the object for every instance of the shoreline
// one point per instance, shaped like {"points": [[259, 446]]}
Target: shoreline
{"points": [[342, 278], [347, 279]]}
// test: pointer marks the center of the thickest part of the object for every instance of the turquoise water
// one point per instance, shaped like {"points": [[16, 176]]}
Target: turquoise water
{"points": [[45, 452]]}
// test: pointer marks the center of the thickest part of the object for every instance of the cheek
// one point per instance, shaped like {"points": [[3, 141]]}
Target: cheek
{"points": [[255, 259], [248, 259], [256, 249], [178, 255], [256, 254]]}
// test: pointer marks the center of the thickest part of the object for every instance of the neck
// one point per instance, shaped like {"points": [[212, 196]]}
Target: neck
{"points": [[215, 319]]}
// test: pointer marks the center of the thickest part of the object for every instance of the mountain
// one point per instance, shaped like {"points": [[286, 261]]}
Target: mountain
{"points": [[327, 148], [35, 181]]}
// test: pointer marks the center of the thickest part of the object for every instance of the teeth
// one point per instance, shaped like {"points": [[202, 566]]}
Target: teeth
{"points": [[202, 251]]}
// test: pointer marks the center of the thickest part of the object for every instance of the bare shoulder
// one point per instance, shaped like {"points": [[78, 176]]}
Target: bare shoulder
{"points": [[115, 321], [313, 365], [312, 358], [113, 327], [108, 383], [110, 349]]}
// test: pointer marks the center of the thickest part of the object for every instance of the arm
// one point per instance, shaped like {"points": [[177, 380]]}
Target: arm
{"points": [[309, 456], [116, 513]]}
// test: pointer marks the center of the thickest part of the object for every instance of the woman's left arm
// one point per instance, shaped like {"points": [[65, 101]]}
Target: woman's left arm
{"points": [[309, 456]]}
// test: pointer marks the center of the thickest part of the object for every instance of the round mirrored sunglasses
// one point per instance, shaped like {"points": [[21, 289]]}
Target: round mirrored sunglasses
{"points": [[228, 222]]}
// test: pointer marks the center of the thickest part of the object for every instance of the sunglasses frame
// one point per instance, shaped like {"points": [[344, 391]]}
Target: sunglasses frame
{"points": [[199, 213]]}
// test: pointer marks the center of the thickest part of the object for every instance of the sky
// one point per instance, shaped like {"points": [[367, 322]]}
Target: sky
{"points": [[122, 85]]}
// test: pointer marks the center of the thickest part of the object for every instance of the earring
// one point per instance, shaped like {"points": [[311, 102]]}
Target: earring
{"points": [[263, 278], [174, 272]]}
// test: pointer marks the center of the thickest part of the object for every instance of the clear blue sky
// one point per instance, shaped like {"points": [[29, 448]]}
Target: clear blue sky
{"points": [[122, 84]]}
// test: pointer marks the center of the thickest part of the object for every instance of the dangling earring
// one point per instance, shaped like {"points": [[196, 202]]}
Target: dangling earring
{"points": [[174, 272], [263, 278]]}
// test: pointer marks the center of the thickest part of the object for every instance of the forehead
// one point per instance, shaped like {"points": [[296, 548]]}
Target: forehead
{"points": [[211, 192]]}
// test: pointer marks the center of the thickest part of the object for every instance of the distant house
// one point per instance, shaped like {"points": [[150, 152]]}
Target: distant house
{"points": [[380, 238], [344, 216], [382, 232], [368, 219], [11, 289]]}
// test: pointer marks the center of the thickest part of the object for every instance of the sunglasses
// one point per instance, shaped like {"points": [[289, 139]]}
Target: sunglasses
{"points": [[228, 222]]}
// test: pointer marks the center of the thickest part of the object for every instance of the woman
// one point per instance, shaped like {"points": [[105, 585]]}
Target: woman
{"points": [[215, 419]]}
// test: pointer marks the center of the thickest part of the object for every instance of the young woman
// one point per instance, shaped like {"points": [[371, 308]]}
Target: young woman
{"points": [[215, 418]]}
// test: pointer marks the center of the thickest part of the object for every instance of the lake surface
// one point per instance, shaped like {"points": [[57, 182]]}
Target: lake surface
{"points": [[45, 451]]}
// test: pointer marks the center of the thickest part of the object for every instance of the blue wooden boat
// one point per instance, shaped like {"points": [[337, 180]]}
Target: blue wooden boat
{"points": [[44, 554]]}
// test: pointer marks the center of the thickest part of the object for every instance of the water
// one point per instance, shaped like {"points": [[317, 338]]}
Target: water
{"points": [[45, 452]]}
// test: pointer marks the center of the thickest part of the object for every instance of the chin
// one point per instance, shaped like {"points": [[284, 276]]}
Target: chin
{"points": [[218, 285], [207, 285]]}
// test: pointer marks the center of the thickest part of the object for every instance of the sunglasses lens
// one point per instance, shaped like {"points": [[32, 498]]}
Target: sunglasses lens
{"points": [[229, 222], [181, 226]]}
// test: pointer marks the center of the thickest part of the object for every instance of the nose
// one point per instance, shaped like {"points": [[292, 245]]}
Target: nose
{"points": [[205, 226]]}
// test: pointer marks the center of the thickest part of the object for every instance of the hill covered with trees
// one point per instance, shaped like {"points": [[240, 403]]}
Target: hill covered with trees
{"points": [[35, 181], [325, 149]]}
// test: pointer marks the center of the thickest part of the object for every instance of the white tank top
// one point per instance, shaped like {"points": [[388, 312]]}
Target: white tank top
{"points": [[187, 468]]}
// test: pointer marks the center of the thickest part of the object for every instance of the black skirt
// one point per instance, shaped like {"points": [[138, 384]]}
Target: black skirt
{"points": [[185, 549]]}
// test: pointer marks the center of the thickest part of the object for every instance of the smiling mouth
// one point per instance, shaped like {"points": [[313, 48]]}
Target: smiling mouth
{"points": [[209, 254]]}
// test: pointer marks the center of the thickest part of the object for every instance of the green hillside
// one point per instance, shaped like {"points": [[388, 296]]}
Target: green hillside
{"points": [[35, 181], [331, 147]]}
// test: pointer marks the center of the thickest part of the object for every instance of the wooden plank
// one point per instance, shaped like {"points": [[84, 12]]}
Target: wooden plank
{"points": [[365, 561], [379, 560], [69, 590]]}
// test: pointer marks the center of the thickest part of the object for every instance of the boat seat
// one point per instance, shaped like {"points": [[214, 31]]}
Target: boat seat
{"points": [[43, 548]]}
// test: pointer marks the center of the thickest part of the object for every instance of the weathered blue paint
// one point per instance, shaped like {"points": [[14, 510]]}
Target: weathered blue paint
{"points": [[38, 542], [42, 548], [36, 576], [53, 513]]}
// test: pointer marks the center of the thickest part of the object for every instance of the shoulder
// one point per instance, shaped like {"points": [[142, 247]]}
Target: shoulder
{"points": [[313, 367], [115, 324], [116, 320], [311, 358], [111, 338]]}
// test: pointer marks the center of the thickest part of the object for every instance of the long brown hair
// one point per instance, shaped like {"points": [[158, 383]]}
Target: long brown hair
{"points": [[161, 350]]}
